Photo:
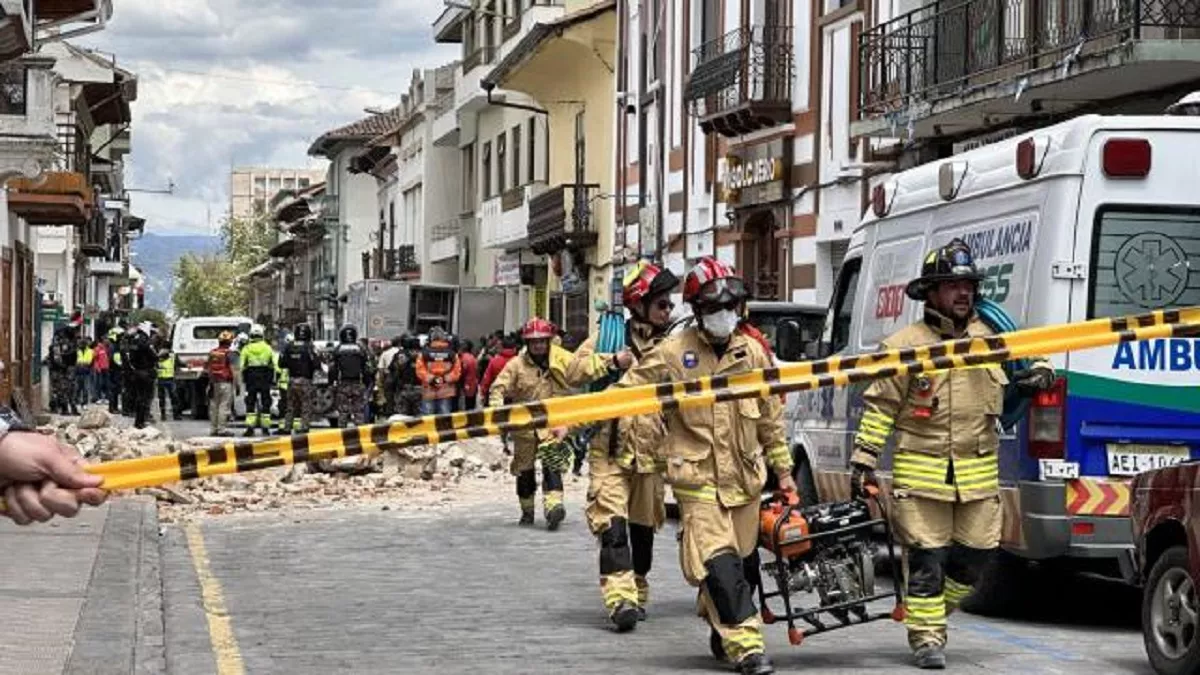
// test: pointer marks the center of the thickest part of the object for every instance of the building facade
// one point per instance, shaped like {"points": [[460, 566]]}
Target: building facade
{"points": [[251, 188]]}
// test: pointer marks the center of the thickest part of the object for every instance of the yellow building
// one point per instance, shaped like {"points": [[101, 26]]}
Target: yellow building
{"points": [[566, 66]]}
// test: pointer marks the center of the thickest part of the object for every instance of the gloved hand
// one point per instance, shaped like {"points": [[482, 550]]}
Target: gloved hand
{"points": [[860, 477], [1035, 379]]}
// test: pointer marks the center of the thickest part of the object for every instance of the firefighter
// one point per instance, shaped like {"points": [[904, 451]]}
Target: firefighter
{"points": [[526, 378], [945, 474], [349, 374], [717, 459], [168, 362], [625, 494], [257, 361], [300, 363], [221, 374], [142, 364]]}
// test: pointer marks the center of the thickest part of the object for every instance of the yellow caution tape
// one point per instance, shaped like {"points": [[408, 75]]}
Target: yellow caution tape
{"points": [[239, 457]]}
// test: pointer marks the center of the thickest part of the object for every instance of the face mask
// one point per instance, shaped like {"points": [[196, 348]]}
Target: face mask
{"points": [[720, 324]]}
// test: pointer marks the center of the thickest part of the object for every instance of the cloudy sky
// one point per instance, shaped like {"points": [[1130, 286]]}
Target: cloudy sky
{"points": [[234, 82]]}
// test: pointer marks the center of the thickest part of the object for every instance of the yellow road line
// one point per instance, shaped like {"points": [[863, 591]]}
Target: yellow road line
{"points": [[220, 629]]}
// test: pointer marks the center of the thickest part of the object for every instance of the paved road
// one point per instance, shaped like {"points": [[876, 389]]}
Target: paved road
{"points": [[468, 591]]}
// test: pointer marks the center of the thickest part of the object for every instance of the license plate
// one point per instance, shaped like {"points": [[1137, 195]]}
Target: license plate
{"points": [[1132, 459], [1057, 469]]}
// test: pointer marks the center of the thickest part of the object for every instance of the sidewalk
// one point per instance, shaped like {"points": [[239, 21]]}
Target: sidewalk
{"points": [[83, 595]]}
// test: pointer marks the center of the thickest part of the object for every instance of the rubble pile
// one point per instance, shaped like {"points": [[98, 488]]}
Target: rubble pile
{"points": [[407, 478], [415, 478]]}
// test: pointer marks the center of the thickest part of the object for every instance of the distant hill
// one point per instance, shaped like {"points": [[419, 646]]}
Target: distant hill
{"points": [[156, 255]]}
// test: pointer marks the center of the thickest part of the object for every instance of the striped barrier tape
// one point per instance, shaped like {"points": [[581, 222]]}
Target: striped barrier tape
{"points": [[239, 457]]}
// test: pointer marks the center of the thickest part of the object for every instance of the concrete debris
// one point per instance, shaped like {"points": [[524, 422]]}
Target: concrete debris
{"points": [[404, 478], [93, 418]]}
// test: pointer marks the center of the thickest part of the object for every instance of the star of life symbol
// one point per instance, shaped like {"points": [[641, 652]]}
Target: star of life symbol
{"points": [[1152, 270]]}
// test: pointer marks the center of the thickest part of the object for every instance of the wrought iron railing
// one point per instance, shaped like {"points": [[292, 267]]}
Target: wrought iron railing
{"points": [[945, 48], [562, 216], [749, 64]]}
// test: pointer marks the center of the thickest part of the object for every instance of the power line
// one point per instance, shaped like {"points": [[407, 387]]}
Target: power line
{"points": [[260, 80]]}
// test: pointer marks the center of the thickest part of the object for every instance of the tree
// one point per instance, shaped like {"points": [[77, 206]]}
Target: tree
{"points": [[247, 240], [207, 286]]}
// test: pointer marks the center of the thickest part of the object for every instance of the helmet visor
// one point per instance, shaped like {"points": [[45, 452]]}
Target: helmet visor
{"points": [[722, 291]]}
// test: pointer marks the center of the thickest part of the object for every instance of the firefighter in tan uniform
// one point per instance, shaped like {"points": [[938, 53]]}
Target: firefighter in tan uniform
{"points": [[717, 459], [945, 475], [532, 376], [625, 492]]}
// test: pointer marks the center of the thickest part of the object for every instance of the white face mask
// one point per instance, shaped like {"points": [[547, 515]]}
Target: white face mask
{"points": [[720, 324]]}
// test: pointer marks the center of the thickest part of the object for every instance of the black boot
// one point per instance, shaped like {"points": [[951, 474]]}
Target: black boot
{"points": [[756, 664], [248, 432], [929, 657], [555, 516], [526, 518], [624, 617]]}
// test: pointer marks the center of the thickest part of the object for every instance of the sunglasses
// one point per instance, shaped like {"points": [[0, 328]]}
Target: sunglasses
{"points": [[664, 305]]}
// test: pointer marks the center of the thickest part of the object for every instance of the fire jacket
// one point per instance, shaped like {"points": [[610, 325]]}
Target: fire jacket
{"points": [[636, 449], [438, 370], [944, 423], [715, 453], [524, 381]]}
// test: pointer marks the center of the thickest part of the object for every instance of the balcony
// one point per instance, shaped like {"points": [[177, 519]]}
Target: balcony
{"points": [[446, 239], [443, 129], [742, 81], [503, 219], [57, 198], [953, 66], [16, 29], [562, 218], [93, 237], [480, 57], [448, 27]]}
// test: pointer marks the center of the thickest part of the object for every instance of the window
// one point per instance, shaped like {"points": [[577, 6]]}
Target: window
{"points": [[1144, 258], [468, 178], [275, 185], [260, 205], [580, 148], [260, 184], [487, 170], [516, 155], [289, 183], [837, 333], [304, 182], [710, 21], [501, 156], [532, 158]]}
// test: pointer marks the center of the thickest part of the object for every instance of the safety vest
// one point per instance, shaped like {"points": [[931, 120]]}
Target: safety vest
{"points": [[281, 373], [166, 368], [258, 354], [218, 365], [86, 356], [117, 358]]}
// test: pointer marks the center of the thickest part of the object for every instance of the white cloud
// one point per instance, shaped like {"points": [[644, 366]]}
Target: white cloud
{"points": [[229, 82]]}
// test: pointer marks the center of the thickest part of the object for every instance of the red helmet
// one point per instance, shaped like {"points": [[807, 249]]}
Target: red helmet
{"points": [[713, 282], [538, 329], [646, 280]]}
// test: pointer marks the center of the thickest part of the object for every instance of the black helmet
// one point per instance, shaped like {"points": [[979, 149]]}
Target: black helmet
{"points": [[348, 334], [951, 262], [303, 332], [398, 341], [410, 341]]}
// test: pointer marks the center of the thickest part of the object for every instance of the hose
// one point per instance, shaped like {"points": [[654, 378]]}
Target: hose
{"points": [[1016, 405]]}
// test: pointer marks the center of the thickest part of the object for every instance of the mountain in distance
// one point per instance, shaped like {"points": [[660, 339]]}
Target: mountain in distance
{"points": [[156, 254]]}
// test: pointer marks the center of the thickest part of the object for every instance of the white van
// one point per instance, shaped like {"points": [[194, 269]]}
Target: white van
{"points": [[1095, 217], [192, 338]]}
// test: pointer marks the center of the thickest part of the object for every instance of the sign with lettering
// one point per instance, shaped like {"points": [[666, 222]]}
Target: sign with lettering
{"points": [[508, 270], [754, 172], [757, 174]]}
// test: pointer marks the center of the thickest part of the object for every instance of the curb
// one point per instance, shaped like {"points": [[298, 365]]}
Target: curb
{"points": [[120, 629]]}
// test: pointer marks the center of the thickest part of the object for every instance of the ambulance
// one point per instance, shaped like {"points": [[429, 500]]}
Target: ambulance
{"points": [[1095, 217]]}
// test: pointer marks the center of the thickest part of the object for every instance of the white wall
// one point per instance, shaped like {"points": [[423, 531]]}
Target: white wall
{"points": [[358, 211], [442, 203]]}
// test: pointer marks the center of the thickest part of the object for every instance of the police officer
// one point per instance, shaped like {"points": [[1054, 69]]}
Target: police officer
{"points": [[257, 361], [62, 361], [350, 373], [526, 378], [406, 387], [142, 363], [300, 362], [945, 474], [168, 362], [625, 493], [717, 459]]}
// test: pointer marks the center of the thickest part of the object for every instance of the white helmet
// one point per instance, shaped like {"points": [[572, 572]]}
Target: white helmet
{"points": [[256, 332], [1188, 105], [146, 327]]}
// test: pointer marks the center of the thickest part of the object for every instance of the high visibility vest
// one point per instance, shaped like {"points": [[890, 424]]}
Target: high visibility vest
{"points": [[166, 368], [281, 374], [85, 357], [117, 358]]}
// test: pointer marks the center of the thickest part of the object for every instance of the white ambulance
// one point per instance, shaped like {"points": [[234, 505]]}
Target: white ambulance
{"points": [[1095, 217]]}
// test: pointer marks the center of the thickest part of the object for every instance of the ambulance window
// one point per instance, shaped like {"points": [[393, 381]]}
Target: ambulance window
{"points": [[843, 305], [1144, 258]]}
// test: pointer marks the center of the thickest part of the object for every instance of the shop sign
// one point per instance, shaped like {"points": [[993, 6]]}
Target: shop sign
{"points": [[754, 172], [507, 270], [758, 174]]}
